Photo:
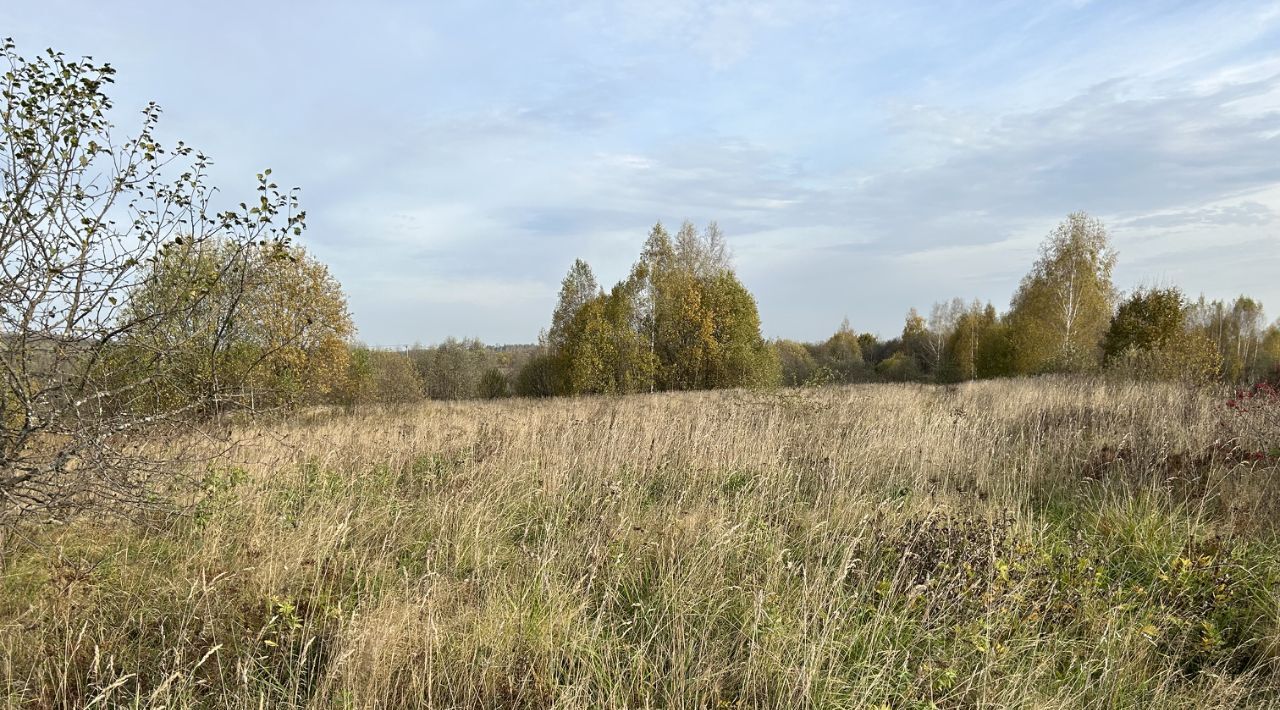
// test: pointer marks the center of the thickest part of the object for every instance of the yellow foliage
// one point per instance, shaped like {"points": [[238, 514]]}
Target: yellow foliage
{"points": [[269, 323]]}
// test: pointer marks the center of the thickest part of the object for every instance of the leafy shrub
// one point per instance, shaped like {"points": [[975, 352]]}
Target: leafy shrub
{"points": [[494, 385], [538, 377], [1194, 360], [900, 367], [382, 376], [796, 362]]}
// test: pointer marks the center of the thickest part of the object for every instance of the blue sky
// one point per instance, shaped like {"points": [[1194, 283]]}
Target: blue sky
{"points": [[455, 157]]}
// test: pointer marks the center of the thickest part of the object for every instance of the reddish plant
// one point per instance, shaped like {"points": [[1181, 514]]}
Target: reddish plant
{"points": [[1255, 414]]}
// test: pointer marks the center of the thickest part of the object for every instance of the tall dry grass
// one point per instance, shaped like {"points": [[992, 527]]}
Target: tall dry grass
{"points": [[1032, 543]]}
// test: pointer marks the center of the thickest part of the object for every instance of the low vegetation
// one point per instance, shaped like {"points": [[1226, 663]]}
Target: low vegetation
{"points": [[1048, 542]]}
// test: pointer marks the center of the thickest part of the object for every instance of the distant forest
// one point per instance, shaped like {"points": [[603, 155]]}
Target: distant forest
{"points": [[682, 320]]}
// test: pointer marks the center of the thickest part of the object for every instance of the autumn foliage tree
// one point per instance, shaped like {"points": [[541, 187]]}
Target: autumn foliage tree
{"points": [[841, 355], [271, 318], [739, 357], [913, 358], [681, 320], [963, 354], [1063, 307], [797, 364], [452, 369], [578, 288], [90, 221], [1148, 319], [381, 377], [1150, 338], [1269, 352], [1237, 330], [494, 384]]}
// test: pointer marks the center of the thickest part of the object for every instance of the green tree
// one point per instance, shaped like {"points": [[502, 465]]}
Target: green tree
{"points": [[996, 356], [1149, 319], [868, 343], [899, 367], [960, 360], [686, 343], [494, 385], [587, 357], [1149, 339], [738, 354], [841, 354], [579, 287], [634, 362], [603, 352], [1063, 307], [797, 365]]}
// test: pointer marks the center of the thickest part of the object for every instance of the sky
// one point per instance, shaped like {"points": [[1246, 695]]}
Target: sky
{"points": [[862, 158]]}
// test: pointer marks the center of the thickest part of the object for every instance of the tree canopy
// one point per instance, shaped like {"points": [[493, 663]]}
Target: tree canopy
{"points": [[1063, 306], [681, 320], [270, 317]]}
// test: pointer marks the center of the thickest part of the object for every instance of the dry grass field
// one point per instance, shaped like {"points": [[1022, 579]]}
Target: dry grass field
{"points": [[1029, 543]]}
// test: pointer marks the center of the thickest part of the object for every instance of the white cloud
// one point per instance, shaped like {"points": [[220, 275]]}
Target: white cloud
{"points": [[457, 156]]}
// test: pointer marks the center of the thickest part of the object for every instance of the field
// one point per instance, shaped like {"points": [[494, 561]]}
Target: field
{"points": [[1024, 543]]}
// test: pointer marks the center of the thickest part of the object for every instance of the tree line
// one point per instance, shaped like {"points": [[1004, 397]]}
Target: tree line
{"points": [[1067, 316], [682, 320]]}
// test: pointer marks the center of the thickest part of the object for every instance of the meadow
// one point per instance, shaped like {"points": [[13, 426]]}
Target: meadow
{"points": [[1055, 543]]}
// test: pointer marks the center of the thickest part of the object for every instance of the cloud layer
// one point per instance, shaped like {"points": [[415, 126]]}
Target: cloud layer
{"points": [[456, 158]]}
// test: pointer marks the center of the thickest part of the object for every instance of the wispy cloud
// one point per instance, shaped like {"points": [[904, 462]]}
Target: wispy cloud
{"points": [[457, 157]]}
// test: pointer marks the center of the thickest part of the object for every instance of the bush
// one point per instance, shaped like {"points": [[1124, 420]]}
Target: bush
{"points": [[538, 377], [1193, 360], [841, 355], [382, 376], [493, 384], [899, 367], [796, 362]]}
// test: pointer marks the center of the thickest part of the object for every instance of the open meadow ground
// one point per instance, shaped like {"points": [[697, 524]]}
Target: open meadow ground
{"points": [[1022, 543]]}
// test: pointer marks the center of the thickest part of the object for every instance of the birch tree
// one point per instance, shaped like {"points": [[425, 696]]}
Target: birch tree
{"points": [[1237, 330], [1063, 307], [943, 319], [578, 287]]}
